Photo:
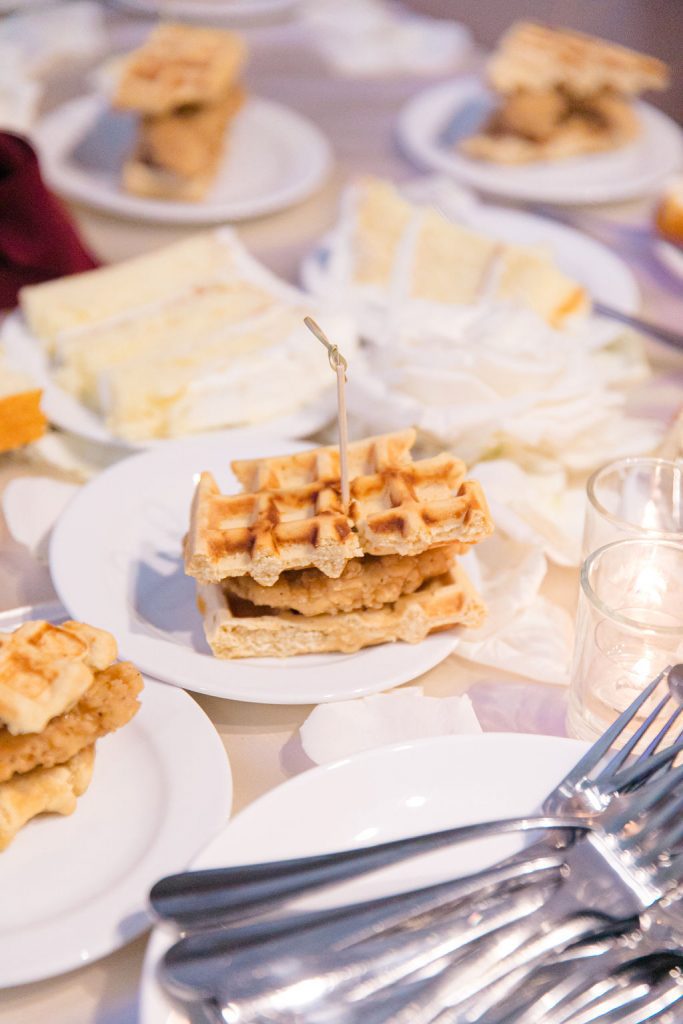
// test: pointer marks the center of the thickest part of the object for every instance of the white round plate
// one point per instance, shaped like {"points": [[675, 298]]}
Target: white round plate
{"points": [[210, 10], [116, 561], [64, 410], [605, 276], [75, 888], [275, 158], [379, 795], [433, 121]]}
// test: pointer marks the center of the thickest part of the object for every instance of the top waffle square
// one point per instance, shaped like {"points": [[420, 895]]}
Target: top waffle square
{"points": [[180, 66], [532, 56], [290, 515], [45, 669]]}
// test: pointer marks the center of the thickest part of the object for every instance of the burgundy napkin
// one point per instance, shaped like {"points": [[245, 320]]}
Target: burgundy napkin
{"points": [[37, 239]]}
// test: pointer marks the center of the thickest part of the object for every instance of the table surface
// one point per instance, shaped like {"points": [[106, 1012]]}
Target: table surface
{"points": [[358, 116]]}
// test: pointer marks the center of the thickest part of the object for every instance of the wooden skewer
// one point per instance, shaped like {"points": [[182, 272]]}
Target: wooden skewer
{"points": [[339, 365]]}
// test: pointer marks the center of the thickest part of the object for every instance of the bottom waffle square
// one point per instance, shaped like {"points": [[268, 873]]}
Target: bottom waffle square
{"points": [[236, 628], [43, 789]]}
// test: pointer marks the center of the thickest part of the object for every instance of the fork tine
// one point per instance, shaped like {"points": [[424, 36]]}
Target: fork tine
{"points": [[652, 747], [630, 807], [652, 843], [601, 746], [622, 754], [642, 770]]}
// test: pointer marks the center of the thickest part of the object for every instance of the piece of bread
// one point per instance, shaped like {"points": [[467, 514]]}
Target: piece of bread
{"points": [[536, 57], [41, 790], [180, 65], [21, 419], [238, 629], [45, 669]]}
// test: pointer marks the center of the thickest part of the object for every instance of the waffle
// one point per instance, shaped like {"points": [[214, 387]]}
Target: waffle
{"points": [[369, 582], [397, 506], [180, 66], [43, 789], [238, 629], [108, 704], [280, 472], [532, 56], [45, 669]]}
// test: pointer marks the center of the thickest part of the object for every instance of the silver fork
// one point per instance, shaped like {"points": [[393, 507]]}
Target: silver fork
{"points": [[612, 877], [198, 964], [195, 898], [639, 984]]}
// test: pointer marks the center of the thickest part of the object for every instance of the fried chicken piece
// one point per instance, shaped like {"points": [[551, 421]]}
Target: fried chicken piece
{"points": [[369, 582], [109, 703], [532, 114]]}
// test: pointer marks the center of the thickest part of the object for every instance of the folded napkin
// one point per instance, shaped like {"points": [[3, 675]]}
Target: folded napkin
{"points": [[340, 729], [32, 505], [362, 38], [37, 239]]}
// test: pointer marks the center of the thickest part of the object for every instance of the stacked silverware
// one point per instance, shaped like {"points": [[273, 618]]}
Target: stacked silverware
{"points": [[585, 924]]}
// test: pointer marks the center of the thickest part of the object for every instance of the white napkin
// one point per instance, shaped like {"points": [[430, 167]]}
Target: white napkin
{"points": [[536, 642], [337, 730], [30, 43], [32, 506], [540, 507], [371, 37], [54, 33], [524, 632], [19, 94], [485, 379], [74, 458]]}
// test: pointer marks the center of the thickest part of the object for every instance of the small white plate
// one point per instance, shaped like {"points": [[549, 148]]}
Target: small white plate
{"points": [[211, 10], [116, 560], [275, 157], [64, 410], [380, 795], [432, 122], [606, 277], [75, 888]]}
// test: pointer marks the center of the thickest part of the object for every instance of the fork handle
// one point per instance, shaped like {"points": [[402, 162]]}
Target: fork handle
{"points": [[202, 898]]}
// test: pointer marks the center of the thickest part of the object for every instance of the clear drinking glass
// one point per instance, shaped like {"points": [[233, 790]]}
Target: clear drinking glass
{"points": [[634, 497], [629, 627]]}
